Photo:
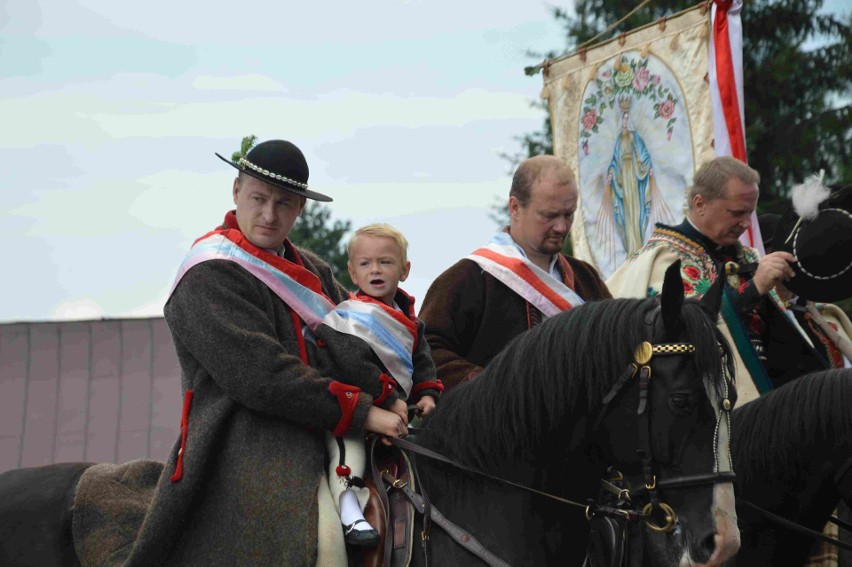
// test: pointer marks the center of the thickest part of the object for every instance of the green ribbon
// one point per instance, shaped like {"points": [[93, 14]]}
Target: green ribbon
{"points": [[743, 344]]}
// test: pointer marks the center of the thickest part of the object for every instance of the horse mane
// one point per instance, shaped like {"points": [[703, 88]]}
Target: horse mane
{"points": [[773, 432], [563, 367]]}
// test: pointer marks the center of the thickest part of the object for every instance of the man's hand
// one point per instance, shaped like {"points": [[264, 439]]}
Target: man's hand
{"points": [[385, 423], [426, 405], [400, 408], [773, 269]]}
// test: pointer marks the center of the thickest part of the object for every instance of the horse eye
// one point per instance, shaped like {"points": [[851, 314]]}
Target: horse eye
{"points": [[680, 402]]}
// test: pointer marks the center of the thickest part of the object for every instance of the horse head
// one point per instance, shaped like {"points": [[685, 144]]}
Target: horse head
{"points": [[665, 427]]}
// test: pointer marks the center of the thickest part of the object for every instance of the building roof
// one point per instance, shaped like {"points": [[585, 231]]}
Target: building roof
{"points": [[100, 391]]}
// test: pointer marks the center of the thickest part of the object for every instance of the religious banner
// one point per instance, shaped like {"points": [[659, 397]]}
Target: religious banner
{"points": [[633, 118]]}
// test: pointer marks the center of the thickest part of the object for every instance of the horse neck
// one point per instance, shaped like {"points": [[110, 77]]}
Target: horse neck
{"points": [[517, 526]]}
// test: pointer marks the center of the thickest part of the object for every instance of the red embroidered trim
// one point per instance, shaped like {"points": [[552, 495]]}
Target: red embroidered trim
{"points": [[300, 338], [430, 385], [347, 398], [388, 387], [184, 425], [834, 354]]}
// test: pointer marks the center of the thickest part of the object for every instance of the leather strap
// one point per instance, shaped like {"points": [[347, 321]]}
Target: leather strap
{"points": [[789, 524], [414, 448], [460, 536]]}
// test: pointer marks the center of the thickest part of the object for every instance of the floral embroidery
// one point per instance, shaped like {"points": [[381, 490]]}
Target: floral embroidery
{"points": [[688, 289], [702, 287], [691, 272], [626, 78]]}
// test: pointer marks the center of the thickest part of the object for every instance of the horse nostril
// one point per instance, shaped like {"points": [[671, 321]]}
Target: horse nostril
{"points": [[709, 542], [702, 548]]}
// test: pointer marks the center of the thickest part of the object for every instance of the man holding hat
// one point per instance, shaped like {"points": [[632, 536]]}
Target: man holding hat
{"points": [[244, 484], [770, 348]]}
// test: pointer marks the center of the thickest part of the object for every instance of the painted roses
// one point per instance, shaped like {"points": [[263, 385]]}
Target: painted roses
{"points": [[667, 109], [590, 118]]}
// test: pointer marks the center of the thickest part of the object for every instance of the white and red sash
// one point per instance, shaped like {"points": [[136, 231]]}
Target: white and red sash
{"points": [[502, 259], [383, 329]]}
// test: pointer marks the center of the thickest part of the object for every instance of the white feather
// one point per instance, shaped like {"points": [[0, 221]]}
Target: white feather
{"points": [[808, 196]]}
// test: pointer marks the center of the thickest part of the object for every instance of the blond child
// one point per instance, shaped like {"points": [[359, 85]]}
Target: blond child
{"points": [[375, 342]]}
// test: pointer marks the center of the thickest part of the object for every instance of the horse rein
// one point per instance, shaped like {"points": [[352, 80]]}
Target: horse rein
{"points": [[843, 481]]}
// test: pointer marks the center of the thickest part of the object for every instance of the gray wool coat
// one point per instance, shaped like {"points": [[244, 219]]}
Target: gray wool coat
{"points": [[254, 452]]}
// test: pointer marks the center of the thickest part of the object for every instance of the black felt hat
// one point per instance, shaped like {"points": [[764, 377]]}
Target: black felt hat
{"points": [[279, 163], [822, 247]]}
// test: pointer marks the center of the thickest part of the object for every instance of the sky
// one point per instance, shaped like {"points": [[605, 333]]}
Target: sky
{"points": [[111, 113]]}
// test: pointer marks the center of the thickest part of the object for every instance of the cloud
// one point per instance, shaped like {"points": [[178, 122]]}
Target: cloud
{"points": [[463, 153], [76, 310], [241, 83]]}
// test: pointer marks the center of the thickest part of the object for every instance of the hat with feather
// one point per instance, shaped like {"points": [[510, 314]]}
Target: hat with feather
{"points": [[279, 163], [817, 230]]}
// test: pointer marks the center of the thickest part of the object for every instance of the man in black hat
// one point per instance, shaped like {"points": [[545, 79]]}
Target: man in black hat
{"points": [[243, 482]]}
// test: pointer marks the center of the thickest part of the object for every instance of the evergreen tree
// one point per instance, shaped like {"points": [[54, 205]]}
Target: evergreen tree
{"points": [[797, 76], [314, 230]]}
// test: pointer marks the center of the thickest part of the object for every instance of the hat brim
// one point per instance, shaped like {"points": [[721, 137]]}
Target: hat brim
{"points": [[278, 183]]}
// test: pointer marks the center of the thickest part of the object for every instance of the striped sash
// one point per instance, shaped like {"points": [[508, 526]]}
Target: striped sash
{"points": [[391, 339], [501, 258]]}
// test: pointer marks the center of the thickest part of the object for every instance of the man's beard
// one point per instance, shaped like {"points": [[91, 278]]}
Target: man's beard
{"points": [[549, 246]]}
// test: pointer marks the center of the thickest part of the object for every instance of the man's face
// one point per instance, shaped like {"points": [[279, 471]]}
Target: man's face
{"points": [[542, 227], [265, 213], [723, 220]]}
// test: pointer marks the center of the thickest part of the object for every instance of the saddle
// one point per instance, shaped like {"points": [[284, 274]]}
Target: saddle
{"points": [[398, 496], [393, 514]]}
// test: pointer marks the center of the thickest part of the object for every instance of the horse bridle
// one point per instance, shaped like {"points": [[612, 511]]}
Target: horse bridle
{"points": [[659, 516]]}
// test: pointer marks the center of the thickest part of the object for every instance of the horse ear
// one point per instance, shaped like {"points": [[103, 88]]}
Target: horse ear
{"points": [[671, 300], [712, 300]]}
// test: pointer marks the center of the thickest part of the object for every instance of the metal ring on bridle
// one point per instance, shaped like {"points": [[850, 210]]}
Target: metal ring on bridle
{"points": [[671, 516]]}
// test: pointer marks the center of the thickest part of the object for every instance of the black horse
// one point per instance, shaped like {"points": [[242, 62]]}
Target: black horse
{"points": [[559, 406], [792, 451], [537, 417]]}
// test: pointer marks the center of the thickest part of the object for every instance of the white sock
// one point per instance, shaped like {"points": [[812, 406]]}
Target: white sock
{"points": [[350, 510]]}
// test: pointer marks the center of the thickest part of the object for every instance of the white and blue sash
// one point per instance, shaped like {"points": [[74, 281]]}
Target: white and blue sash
{"points": [[392, 342]]}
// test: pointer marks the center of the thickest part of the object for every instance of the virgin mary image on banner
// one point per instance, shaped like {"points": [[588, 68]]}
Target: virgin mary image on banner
{"points": [[635, 154], [630, 182]]}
